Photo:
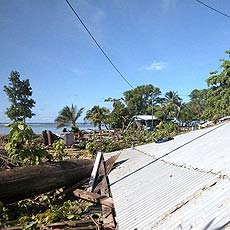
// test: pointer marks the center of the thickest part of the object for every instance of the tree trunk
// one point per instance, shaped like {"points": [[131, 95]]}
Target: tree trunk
{"points": [[20, 183]]}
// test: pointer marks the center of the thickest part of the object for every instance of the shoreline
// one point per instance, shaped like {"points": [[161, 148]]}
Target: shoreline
{"points": [[39, 127]]}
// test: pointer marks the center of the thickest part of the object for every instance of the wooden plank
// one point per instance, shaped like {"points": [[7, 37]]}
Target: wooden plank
{"points": [[94, 197], [110, 163], [109, 222], [94, 171], [108, 213]]}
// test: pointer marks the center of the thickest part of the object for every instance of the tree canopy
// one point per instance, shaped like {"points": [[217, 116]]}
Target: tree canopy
{"points": [[119, 117], [170, 106], [218, 94], [194, 109], [97, 115], [140, 99], [68, 116], [19, 93]]}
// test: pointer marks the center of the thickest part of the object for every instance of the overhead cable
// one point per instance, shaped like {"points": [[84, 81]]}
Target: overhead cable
{"points": [[204, 4], [98, 45]]}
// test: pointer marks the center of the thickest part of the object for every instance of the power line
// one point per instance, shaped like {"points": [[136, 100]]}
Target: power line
{"points": [[97, 44], [228, 16]]}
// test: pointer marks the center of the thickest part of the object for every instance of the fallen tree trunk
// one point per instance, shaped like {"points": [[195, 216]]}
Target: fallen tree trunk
{"points": [[20, 183]]}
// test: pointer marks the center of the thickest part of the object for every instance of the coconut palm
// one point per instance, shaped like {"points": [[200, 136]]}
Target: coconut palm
{"points": [[68, 116], [97, 115], [172, 98]]}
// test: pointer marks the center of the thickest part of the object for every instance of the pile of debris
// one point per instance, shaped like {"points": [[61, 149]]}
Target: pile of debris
{"points": [[5, 161], [85, 179]]}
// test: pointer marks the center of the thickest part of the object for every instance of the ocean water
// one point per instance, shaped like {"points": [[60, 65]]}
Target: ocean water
{"points": [[39, 127]]}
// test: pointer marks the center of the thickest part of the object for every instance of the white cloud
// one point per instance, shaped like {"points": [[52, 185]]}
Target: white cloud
{"points": [[156, 66]]}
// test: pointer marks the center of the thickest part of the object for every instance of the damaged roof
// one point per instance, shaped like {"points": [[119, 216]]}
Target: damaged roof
{"points": [[179, 184]]}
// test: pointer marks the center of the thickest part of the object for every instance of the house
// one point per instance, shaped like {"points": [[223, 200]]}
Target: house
{"points": [[146, 122]]}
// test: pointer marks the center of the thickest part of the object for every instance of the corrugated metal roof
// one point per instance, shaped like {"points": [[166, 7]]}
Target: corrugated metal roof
{"points": [[143, 190], [209, 210], [146, 117], [151, 190], [206, 149], [159, 149]]}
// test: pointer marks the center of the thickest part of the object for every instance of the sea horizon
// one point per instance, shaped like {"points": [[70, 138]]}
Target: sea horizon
{"points": [[38, 127]]}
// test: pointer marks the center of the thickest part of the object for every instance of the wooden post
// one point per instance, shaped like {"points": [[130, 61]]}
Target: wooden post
{"points": [[107, 212], [94, 171]]}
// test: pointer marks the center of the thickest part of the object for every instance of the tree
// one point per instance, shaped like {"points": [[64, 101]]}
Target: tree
{"points": [[218, 95], [170, 106], [119, 117], [198, 103], [165, 112], [173, 102], [68, 116], [19, 93], [172, 97], [97, 115], [141, 99]]}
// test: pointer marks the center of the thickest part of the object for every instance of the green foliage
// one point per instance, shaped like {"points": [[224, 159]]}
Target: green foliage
{"points": [[97, 115], [59, 147], [170, 106], [68, 116], [166, 112], [218, 95], [165, 129], [119, 117], [20, 146], [70, 210], [132, 137], [20, 135], [139, 100], [213, 102], [91, 147], [172, 97], [109, 145], [19, 93], [194, 109], [75, 129], [29, 214]]}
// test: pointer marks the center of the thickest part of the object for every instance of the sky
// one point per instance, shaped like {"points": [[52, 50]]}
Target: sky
{"points": [[171, 44]]}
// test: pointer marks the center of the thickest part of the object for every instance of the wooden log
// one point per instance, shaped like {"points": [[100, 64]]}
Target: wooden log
{"points": [[20, 183]]}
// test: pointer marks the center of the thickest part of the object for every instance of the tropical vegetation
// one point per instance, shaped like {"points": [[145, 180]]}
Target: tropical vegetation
{"points": [[97, 115], [19, 93], [68, 116], [24, 147]]}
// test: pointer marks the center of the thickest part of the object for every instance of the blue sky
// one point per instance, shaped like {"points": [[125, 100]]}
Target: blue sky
{"points": [[172, 44]]}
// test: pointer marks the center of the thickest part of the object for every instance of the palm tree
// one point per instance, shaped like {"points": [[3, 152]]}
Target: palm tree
{"points": [[173, 101], [68, 116], [172, 97], [97, 115]]}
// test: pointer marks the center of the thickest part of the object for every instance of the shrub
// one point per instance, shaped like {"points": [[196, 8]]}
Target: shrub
{"points": [[20, 146]]}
